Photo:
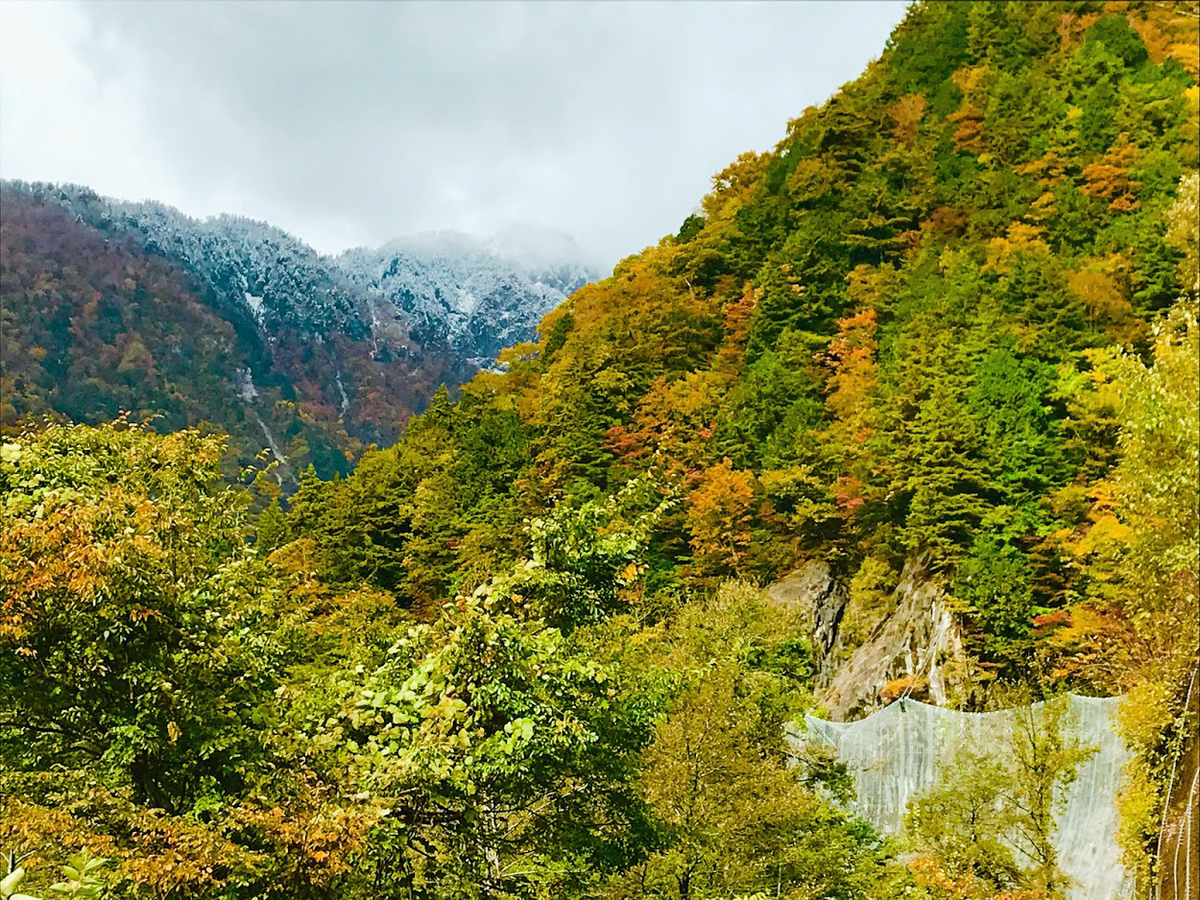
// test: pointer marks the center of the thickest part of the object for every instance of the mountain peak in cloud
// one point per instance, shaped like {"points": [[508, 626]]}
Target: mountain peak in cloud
{"points": [[531, 247], [537, 247]]}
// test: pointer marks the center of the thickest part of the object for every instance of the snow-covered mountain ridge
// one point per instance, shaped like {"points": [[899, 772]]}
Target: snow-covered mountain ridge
{"points": [[469, 296], [339, 349]]}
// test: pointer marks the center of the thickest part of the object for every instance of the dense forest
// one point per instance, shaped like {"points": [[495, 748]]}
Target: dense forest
{"points": [[947, 326]]}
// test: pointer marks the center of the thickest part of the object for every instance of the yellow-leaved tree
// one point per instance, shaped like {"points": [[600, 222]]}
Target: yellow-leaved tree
{"points": [[1141, 552]]}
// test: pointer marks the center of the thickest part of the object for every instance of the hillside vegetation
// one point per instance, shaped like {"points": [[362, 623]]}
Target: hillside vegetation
{"points": [[950, 320]]}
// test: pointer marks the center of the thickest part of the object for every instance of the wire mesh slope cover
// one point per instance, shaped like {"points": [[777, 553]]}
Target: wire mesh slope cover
{"points": [[899, 751]]}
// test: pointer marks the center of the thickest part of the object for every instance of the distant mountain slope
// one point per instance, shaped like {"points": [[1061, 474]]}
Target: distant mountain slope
{"points": [[473, 298], [237, 323]]}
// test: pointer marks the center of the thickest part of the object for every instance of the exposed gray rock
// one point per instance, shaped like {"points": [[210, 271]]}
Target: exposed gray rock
{"points": [[822, 597], [919, 642]]}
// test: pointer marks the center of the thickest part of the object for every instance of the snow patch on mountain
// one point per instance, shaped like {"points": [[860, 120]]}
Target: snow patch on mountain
{"points": [[256, 306], [245, 385]]}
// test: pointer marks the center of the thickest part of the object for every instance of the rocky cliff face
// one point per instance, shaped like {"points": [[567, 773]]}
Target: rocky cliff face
{"points": [[822, 598], [915, 650]]}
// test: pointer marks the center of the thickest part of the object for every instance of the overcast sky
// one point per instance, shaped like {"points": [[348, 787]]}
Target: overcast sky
{"points": [[352, 123]]}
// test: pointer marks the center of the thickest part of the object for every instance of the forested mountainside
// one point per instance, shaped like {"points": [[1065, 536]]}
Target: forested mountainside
{"points": [[116, 306], [891, 337], [936, 351]]}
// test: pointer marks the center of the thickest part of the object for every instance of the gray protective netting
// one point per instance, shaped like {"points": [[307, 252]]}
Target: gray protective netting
{"points": [[894, 753]]}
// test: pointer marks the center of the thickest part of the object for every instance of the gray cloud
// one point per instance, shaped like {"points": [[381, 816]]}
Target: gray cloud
{"points": [[354, 122]]}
